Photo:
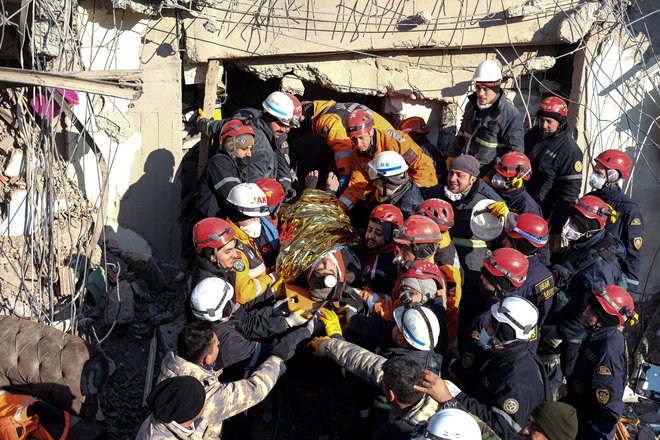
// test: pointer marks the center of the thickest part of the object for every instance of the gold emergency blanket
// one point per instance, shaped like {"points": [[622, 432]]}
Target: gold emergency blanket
{"points": [[311, 227]]}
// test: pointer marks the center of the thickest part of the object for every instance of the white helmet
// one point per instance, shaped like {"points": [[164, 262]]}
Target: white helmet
{"points": [[386, 164], [248, 199], [280, 106], [518, 313], [484, 224], [487, 71], [451, 424], [418, 325], [211, 299]]}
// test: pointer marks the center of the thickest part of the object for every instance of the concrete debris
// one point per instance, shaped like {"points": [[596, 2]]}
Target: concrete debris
{"points": [[573, 28], [6, 145], [14, 166], [47, 39], [146, 267], [167, 333], [539, 64], [422, 17], [180, 277], [121, 305], [211, 26], [549, 86], [66, 280], [526, 9], [144, 7], [292, 84], [115, 124]]}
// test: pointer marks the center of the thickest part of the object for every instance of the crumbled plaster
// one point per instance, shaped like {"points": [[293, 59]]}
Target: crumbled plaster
{"points": [[115, 124], [526, 9], [574, 27], [143, 7], [211, 26], [292, 84], [539, 64]]}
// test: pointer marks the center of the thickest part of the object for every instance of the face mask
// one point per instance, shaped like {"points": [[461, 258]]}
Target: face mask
{"points": [[596, 182], [485, 106], [242, 162], [253, 230], [451, 196], [570, 233], [484, 338], [498, 181]]}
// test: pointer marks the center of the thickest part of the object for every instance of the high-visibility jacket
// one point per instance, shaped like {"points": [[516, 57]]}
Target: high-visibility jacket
{"points": [[328, 122], [420, 165], [251, 277], [16, 424], [447, 261]]}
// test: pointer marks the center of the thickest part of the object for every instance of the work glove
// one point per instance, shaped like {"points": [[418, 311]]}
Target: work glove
{"points": [[319, 345], [200, 115], [448, 161], [345, 314], [293, 341], [499, 209], [295, 319], [331, 322]]}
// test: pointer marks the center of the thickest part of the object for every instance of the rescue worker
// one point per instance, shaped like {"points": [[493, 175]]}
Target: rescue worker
{"points": [[612, 165], [247, 204], [590, 261], [418, 130], [239, 330], [557, 163], [451, 423], [378, 268], [395, 376], [552, 421], [508, 177], [596, 385], [491, 124], [270, 127], [367, 142], [528, 234], [328, 120], [463, 191], [268, 241], [511, 383], [26, 417], [176, 406], [446, 258], [388, 174], [196, 353], [224, 170]]}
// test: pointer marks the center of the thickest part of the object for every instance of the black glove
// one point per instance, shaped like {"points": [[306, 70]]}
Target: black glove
{"points": [[293, 341]]}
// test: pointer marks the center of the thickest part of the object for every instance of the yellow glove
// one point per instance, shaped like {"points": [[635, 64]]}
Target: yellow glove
{"points": [[448, 161], [499, 209], [217, 114], [331, 322], [317, 343], [200, 115]]}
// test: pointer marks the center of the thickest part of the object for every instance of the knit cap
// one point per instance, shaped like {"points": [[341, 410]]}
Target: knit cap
{"points": [[557, 420], [466, 163], [178, 399]]}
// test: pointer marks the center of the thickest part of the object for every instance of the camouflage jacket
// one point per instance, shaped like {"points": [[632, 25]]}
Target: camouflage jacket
{"points": [[152, 429], [369, 367], [224, 400]]}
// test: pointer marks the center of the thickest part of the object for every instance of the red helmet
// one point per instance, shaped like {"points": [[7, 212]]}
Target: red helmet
{"points": [[514, 164], [553, 107], [616, 302], [509, 263], [212, 233], [531, 227], [615, 160], [440, 211], [388, 213], [595, 208], [418, 229], [358, 123], [273, 190], [425, 270], [414, 124], [233, 128], [297, 109]]}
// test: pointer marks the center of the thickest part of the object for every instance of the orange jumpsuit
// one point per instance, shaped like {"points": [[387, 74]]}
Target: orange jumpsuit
{"points": [[328, 122], [420, 166]]}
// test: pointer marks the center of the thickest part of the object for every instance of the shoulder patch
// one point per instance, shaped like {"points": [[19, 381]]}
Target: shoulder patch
{"points": [[577, 166], [544, 289], [238, 266], [603, 396], [637, 242], [467, 360], [324, 131], [590, 355], [636, 222], [511, 406], [266, 249], [534, 334], [395, 135], [577, 386], [603, 371], [409, 156]]}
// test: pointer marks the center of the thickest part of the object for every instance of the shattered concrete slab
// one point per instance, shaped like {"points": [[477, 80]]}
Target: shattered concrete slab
{"points": [[526, 9], [540, 64], [574, 27], [143, 7], [115, 124]]}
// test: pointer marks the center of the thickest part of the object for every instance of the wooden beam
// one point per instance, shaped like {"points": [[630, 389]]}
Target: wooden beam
{"points": [[210, 93], [70, 82]]}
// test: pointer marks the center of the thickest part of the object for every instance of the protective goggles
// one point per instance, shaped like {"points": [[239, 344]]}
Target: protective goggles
{"points": [[600, 212], [215, 237], [518, 168], [503, 271], [506, 312], [512, 227], [625, 312]]}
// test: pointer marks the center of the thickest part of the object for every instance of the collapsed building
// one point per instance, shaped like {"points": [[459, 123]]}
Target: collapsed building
{"points": [[97, 117]]}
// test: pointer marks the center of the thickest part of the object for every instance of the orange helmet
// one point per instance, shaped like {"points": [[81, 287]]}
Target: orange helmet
{"points": [[531, 227], [553, 107], [615, 160], [388, 213], [212, 233], [419, 229], [440, 211], [297, 109], [358, 123], [513, 164], [273, 190], [594, 208], [414, 124], [233, 128], [616, 302], [508, 263]]}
